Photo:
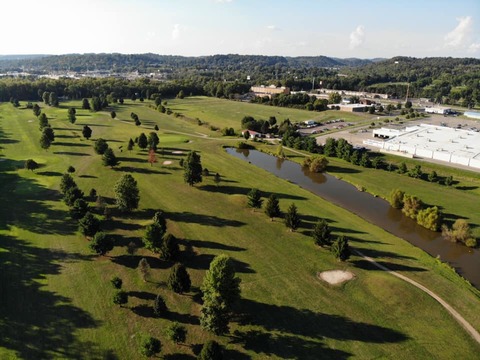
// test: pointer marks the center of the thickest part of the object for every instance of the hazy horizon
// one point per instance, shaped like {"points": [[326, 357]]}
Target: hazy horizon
{"points": [[347, 29]]}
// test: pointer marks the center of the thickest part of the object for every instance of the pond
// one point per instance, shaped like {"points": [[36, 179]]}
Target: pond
{"points": [[373, 209]]}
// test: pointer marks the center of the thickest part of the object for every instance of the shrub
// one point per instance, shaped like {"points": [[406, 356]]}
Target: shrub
{"points": [[150, 346], [396, 198], [159, 306], [120, 298], [211, 350], [430, 218], [116, 282]]}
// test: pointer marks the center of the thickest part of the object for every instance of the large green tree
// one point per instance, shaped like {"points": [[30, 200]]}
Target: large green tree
{"points": [[340, 248], [100, 146], [127, 194], [254, 199], [101, 243], [193, 169], [87, 132], [321, 233], [179, 279], [292, 218], [272, 207], [142, 141], [109, 158], [89, 225]]}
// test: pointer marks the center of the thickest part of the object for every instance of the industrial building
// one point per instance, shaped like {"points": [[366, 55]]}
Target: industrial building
{"points": [[431, 142], [269, 90], [349, 107]]}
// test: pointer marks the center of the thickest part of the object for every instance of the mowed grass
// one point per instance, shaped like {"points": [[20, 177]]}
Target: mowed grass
{"points": [[225, 113], [55, 296]]}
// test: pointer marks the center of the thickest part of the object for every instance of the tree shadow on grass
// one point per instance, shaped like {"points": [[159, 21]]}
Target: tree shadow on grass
{"points": [[341, 170], [182, 318], [132, 160], [143, 310], [202, 262], [209, 245], [178, 356], [70, 144], [284, 346], [131, 261], [49, 173], [207, 220], [376, 253], [367, 265], [70, 153], [115, 224], [239, 190], [36, 323], [304, 322], [144, 295], [140, 170]]}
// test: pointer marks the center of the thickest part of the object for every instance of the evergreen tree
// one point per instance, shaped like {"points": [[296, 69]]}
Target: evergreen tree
{"points": [[120, 298], [150, 346], [292, 219], [254, 199], [153, 140], [126, 193], [109, 158], [89, 225], [113, 114], [85, 104], [130, 145], [79, 208], [67, 182], [159, 306], [142, 141], [43, 121], [179, 280], [87, 132], [45, 141], [101, 243], [30, 164], [169, 249], [71, 195], [153, 237], [193, 169], [144, 268], [100, 146], [211, 350], [272, 208], [36, 110], [321, 233], [177, 333], [217, 179], [340, 248]]}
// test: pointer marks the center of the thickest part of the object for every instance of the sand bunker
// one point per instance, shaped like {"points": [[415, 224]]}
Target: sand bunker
{"points": [[167, 162], [335, 277], [177, 152], [30, 120]]}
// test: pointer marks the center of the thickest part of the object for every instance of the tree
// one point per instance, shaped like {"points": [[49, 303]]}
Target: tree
{"points": [[156, 128], [46, 97], [408, 104], [150, 346], [416, 172], [101, 243], [67, 182], [116, 282], [217, 179], [144, 268], [316, 164], [85, 104], [169, 248], [272, 208], [100, 146], [53, 99], [334, 98], [430, 218], [130, 145], [79, 208], [126, 193], [292, 219], [254, 199], [87, 132], [49, 133], [43, 121], [142, 141], [221, 289], [321, 233], [153, 237], [433, 177], [179, 279], [448, 180], [109, 158], [180, 95], [411, 206], [36, 110], [365, 160], [45, 141], [30, 164], [113, 114], [70, 169], [89, 225], [152, 157], [153, 140], [211, 350], [377, 162], [120, 298], [396, 198], [340, 248], [193, 169], [72, 195], [460, 232], [329, 147], [246, 134], [159, 306], [402, 168], [177, 333]]}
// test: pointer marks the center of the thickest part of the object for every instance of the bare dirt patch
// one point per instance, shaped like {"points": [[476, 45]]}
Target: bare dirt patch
{"points": [[167, 162], [335, 277], [177, 152]]}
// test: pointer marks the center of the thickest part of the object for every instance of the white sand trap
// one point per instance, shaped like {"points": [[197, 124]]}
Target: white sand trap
{"points": [[336, 277], [167, 162], [177, 152], [30, 120]]}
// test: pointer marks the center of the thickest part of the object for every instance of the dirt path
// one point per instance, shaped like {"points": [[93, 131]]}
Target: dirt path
{"points": [[469, 328]]}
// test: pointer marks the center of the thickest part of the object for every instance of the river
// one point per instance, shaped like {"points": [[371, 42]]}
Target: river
{"points": [[373, 209]]}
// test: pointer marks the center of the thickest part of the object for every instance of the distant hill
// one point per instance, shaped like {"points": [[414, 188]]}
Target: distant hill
{"points": [[20, 57]]}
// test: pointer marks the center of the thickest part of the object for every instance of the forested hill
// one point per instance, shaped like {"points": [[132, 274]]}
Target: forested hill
{"points": [[146, 62]]}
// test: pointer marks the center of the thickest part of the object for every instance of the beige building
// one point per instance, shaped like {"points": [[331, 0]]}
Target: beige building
{"points": [[269, 90]]}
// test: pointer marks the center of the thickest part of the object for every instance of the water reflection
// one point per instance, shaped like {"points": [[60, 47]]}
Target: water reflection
{"points": [[372, 209]]}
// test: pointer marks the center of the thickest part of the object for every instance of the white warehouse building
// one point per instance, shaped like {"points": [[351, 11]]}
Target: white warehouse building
{"points": [[431, 142]]}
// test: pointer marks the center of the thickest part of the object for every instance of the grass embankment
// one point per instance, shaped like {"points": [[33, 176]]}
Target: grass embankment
{"points": [[55, 297]]}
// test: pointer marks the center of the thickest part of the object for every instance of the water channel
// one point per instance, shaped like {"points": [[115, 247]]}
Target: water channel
{"points": [[373, 209]]}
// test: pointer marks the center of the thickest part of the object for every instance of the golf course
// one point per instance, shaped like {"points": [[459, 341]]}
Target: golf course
{"points": [[56, 294]]}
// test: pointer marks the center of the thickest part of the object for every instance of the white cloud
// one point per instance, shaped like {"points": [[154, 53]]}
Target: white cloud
{"points": [[272, 27], [223, 1], [357, 37], [473, 48], [458, 36], [176, 32]]}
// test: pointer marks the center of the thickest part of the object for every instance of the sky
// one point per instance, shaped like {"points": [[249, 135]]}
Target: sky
{"points": [[348, 28]]}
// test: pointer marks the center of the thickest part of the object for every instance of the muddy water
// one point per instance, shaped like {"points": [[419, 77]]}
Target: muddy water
{"points": [[375, 210]]}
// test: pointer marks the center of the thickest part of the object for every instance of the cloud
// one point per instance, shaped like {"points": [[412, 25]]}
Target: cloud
{"points": [[474, 47], [176, 32], [458, 36], [357, 37], [271, 27], [223, 1]]}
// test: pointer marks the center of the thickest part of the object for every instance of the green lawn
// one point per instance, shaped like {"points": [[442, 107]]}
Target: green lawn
{"points": [[55, 296]]}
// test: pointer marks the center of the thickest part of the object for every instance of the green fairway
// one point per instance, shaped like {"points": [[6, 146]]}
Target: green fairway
{"points": [[56, 296]]}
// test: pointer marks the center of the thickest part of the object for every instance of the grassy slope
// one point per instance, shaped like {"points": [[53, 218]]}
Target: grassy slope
{"points": [[287, 312]]}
